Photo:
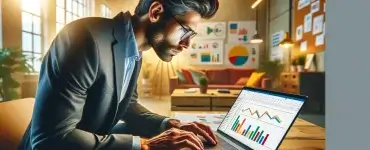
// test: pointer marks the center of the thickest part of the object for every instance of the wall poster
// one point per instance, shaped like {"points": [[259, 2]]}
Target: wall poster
{"points": [[241, 31], [242, 55], [205, 52]]}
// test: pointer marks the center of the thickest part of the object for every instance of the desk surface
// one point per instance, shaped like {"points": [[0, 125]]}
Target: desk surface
{"points": [[302, 136]]}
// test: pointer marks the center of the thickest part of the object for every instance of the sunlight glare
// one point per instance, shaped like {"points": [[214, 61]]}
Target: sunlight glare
{"points": [[32, 6]]}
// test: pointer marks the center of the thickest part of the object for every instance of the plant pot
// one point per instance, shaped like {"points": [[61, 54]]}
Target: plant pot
{"points": [[300, 68], [145, 81], [293, 68], [203, 89]]}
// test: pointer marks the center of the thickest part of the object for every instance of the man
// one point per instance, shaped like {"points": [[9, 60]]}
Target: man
{"points": [[88, 81]]}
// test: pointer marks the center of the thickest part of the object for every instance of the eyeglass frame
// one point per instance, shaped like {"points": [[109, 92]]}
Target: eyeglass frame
{"points": [[187, 30]]}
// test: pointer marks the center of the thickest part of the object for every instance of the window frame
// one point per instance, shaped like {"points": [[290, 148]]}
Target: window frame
{"points": [[105, 11], [31, 52], [85, 12]]}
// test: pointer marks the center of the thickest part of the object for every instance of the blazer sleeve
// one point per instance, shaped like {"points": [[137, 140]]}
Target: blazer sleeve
{"points": [[68, 71], [140, 120]]}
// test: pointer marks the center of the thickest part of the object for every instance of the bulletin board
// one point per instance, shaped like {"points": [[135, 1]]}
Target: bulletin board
{"points": [[309, 26]]}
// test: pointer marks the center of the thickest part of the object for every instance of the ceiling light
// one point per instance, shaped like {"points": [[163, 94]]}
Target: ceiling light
{"points": [[256, 3], [287, 42], [256, 39]]}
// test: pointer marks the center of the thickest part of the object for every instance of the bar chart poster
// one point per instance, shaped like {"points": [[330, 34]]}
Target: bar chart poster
{"points": [[206, 52]]}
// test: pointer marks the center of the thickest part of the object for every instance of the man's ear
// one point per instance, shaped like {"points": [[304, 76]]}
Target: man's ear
{"points": [[155, 11]]}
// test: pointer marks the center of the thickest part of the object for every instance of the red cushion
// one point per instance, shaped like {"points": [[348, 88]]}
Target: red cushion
{"points": [[218, 76], [236, 74], [188, 77]]}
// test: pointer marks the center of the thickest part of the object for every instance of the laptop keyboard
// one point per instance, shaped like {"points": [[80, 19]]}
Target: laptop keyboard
{"points": [[222, 145]]}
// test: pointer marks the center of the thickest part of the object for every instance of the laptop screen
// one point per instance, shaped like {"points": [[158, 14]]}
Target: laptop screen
{"points": [[260, 119]]}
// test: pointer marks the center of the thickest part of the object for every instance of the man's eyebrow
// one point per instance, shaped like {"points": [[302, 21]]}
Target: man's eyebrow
{"points": [[183, 23], [187, 27]]}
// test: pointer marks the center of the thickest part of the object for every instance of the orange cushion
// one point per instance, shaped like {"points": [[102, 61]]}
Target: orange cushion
{"points": [[242, 81]]}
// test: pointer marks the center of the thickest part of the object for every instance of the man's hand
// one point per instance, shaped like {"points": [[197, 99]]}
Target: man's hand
{"points": [[196, 128], [173, 139]]}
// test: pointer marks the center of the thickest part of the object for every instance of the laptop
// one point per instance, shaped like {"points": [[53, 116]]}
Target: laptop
{"points": [[259, 119]]}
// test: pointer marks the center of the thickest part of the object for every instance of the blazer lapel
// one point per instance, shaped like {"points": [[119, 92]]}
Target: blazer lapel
{"points": [[120, 35], [122, 107]]}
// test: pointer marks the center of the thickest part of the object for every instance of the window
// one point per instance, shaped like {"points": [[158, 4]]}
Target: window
{"points": [[32, 32], [68, 11], [105, 11]]}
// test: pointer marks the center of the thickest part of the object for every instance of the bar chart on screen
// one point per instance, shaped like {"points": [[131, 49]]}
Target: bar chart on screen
{"points": [[256, 133], [260, 120]]}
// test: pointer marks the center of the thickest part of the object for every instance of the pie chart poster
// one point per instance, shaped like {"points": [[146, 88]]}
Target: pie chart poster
{"points": [[242, 55]]}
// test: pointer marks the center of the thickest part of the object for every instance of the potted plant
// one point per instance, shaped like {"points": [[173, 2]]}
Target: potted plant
{"points": [[300, 63], [203, 85], [11, 61], [272, 70]]}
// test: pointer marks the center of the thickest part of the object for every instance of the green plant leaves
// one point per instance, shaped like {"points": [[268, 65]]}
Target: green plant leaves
{"points": [[203, 81], [271, 68], [12, 60], [10, 83]]}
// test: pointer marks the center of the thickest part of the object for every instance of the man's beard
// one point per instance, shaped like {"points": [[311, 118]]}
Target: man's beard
{"points": [[156, 38]]}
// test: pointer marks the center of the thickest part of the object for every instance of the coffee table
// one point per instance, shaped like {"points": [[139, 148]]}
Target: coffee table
{"points": [[212, 101]]}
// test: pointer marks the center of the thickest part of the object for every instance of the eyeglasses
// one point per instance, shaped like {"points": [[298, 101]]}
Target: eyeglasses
{"points": [[188, 32]]}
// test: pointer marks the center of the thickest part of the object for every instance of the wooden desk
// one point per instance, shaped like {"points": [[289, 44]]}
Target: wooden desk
{"points": [[302, 136]]}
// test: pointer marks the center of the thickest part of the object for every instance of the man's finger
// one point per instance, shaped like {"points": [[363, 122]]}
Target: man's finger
{"points": [[187, 144], [189, 137], [168, 134], [158, 139], [192, 134], [196, 137], [186, 131], [207, 129], [202, 133]]}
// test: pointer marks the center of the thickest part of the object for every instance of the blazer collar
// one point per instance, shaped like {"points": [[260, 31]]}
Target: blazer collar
{"points": [[124, 35]]}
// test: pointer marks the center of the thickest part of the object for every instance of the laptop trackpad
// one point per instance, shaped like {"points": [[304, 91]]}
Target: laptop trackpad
{"points": [[222, 145]]}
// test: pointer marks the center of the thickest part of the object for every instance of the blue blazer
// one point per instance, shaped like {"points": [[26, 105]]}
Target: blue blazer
{"points": [[80, 82]]}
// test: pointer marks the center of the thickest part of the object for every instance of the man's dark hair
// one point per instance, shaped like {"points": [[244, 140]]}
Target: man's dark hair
{"points": [[206, 8]]}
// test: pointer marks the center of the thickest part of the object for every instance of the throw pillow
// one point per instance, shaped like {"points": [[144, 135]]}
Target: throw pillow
{"points": [[196, 75], [242, 81], [254, 79], [187, 74], [181, 76]]}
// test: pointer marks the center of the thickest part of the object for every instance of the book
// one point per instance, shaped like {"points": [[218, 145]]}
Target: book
{"points": [[191, 90], [223, 90]]}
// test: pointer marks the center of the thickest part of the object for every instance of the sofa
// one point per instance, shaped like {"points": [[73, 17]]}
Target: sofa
{"points": [[15, 115], [228, 78]]}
